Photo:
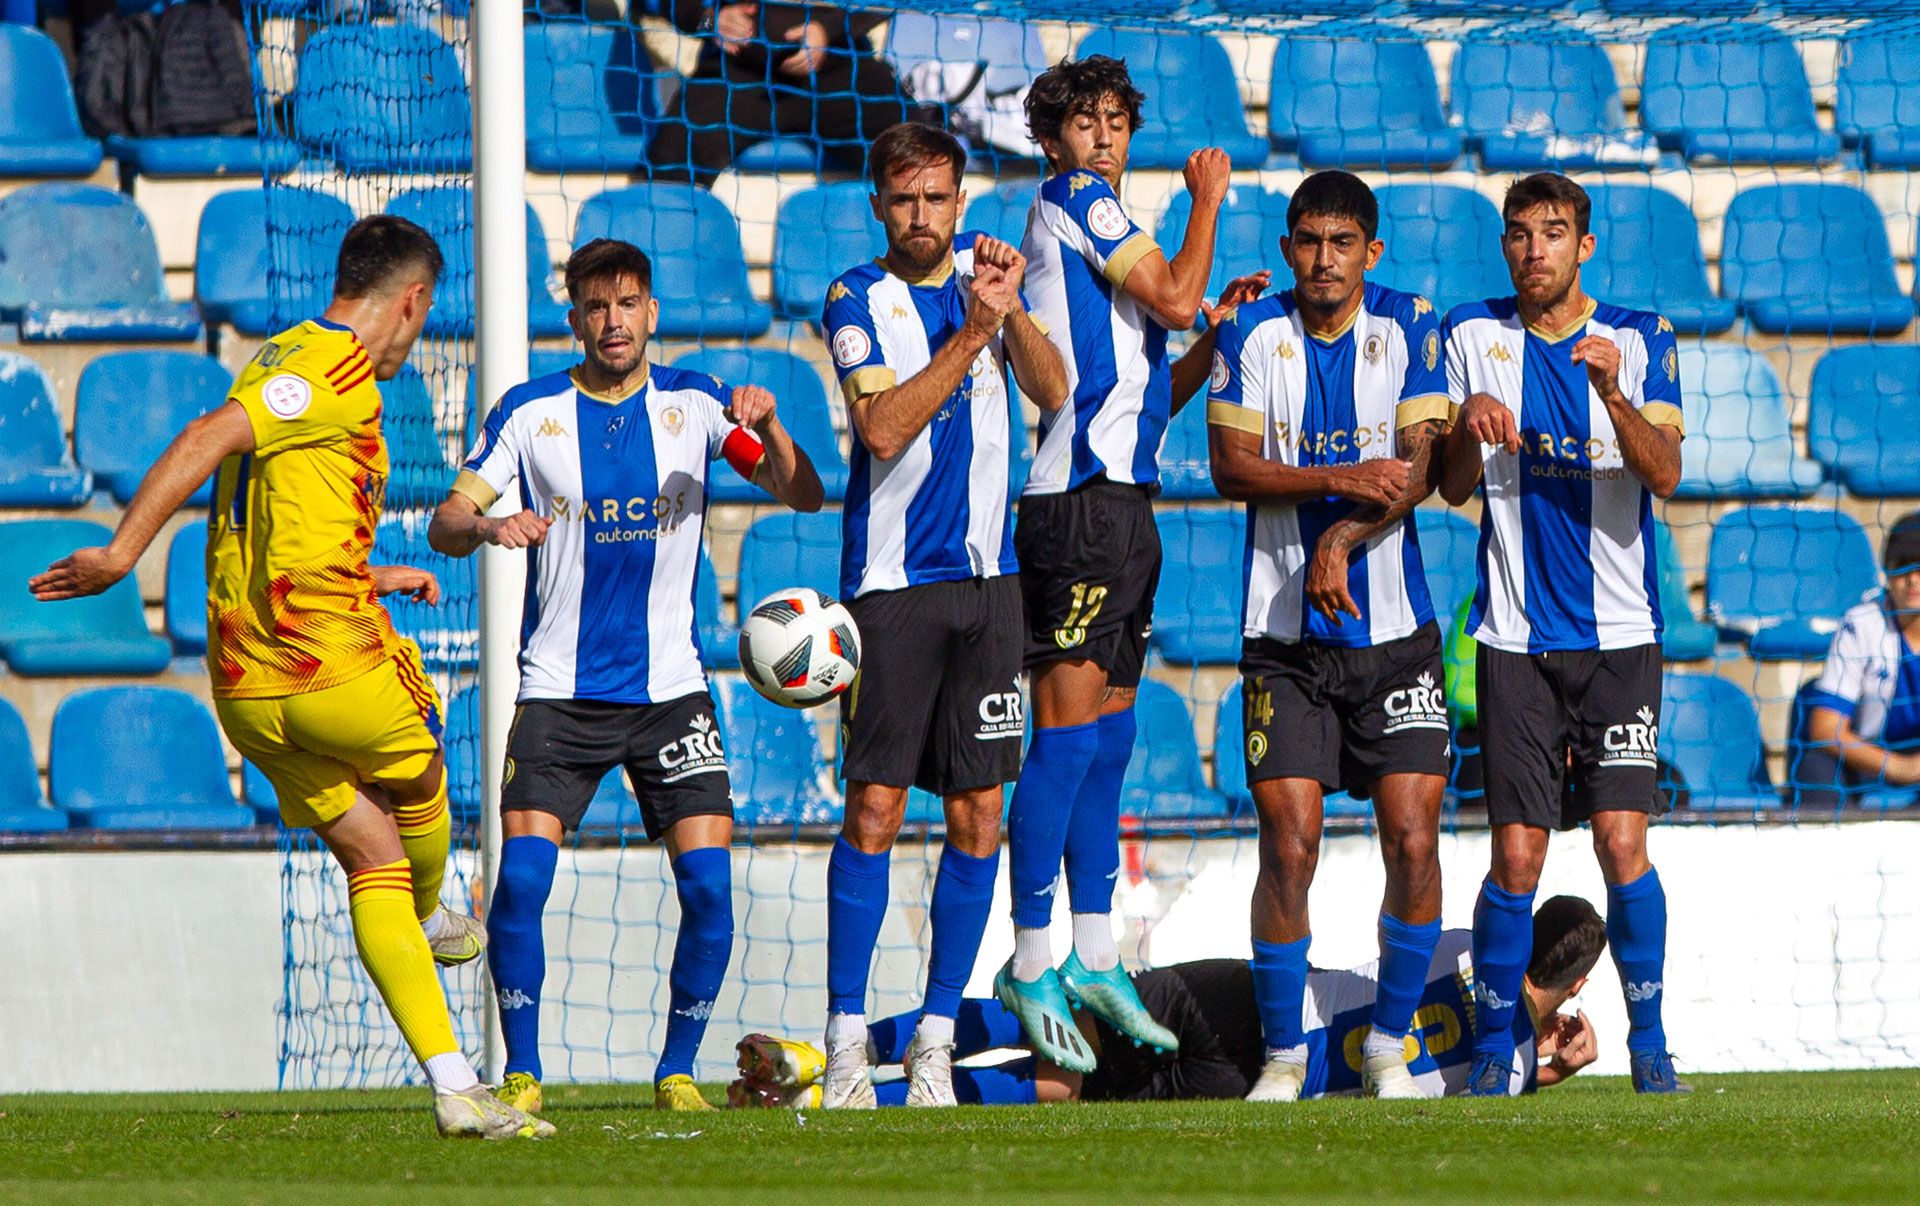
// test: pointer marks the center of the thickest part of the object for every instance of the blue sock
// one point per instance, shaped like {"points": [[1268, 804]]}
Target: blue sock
{"points": [[857, 891], [1406, 951], [1004, 1084], [1056, 765], [962, 901], [1280, 991], [1502, 947], [516, 947], [1093, 830], [704, 880], [1637, 933], [978, 1025]]}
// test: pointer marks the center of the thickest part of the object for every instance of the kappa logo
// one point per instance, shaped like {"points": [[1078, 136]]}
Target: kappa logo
{"points": [[1079, 181], [1284, 350], [1666, 328], [1488, 999], [1644, 990], [899, 311], [699, 1011], [838, 291], [1500, 353], [550, 426], [1421, 706], [1632, 744], [1421, 306], [513, 998]]}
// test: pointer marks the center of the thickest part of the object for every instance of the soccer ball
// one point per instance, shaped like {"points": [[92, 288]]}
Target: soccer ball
{"points": [[799, 647]]}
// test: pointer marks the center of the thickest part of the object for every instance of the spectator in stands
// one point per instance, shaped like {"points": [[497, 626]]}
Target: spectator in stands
{"points": [[769, 69], [1858, 726]]}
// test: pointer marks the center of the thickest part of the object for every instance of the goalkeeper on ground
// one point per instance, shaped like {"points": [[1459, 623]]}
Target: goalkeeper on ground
{"points": [[1210, 1005]]}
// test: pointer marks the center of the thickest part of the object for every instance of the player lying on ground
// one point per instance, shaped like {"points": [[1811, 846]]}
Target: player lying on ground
{"points": [[1210, 1006], [1324, 408], [612, 460], [921, 341], [310, 680], [1569, 424]]}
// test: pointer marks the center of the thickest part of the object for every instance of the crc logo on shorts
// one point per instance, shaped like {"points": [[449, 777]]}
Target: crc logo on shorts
{"points": [[698, 753], [1002, 714], [1635, 744], [1217, 380], [850, 346], [1105, 219], [1421, 706], [286, 395]]}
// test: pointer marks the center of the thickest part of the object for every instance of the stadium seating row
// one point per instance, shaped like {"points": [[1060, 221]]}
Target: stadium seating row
{"points": [[394, 98]]}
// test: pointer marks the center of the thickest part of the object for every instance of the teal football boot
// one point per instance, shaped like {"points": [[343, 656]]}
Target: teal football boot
{"points": [[1111, 996], [1045, 1017]]}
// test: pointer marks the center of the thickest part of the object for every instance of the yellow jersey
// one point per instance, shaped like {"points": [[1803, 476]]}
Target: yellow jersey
{"points": [[290, 603]]}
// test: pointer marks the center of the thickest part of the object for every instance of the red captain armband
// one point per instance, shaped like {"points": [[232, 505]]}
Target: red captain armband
{"points": [[743, 451]]}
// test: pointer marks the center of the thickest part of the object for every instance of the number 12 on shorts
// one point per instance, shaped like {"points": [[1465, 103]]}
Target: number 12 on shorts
{"points": [[1087, 601]]}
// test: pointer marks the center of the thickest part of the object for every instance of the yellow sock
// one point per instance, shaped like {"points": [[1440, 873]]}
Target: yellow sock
{"points": [[424, 830], [396, 957]]}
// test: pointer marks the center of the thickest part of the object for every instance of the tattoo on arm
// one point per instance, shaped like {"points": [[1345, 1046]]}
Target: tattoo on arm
{"points": [[1419, 444]]}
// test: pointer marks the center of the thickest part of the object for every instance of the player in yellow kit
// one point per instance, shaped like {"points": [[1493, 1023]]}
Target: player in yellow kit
{"points": [[309, 677]]}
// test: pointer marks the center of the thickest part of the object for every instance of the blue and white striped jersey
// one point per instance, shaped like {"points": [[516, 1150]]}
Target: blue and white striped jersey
{"points": [[1335, 401], [1872, 678], [937, 512], [1080, 245], [1567, 556], [609, 603]]}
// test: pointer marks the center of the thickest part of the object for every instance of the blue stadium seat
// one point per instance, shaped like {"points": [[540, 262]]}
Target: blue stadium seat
{"points": [[40, 132], [379, 98], [447, 214], [1010, 51], [1230, 764], [821, 232], [787, 549], [1246, 236], [257, 793], [36, 467], [1864, 418], [796, 153], [1180, 117], [103, 634], [1780, 578], [1685, 638], [1647, 256], [1544, 99], [22, 808], [244, 155], [448, 635], [417, 473], [1164, 781], [140, 758], [1443, 242], [1811, 259], [797, 387], [1354, 102], [699, 269], [130, 405], [461, 740], [591, 103], [1877, 101], [1731, 94], [1186, 472], [106, 287], [1450, 550], [1199, 603], [773, 756], [236, 278], [1739, 430], [1710, 733], [186, 601], [719, 636], [1002, 212]]}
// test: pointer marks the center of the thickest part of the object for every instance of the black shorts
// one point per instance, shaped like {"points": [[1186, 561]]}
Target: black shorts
{"points": [[560, 749], [1345, 717], [1601, 706], [1089, 564], [937, 702], [1209, 1006]]}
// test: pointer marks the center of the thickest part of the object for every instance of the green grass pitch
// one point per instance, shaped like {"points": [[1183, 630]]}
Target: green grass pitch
{"points": [[1829, 1137]]}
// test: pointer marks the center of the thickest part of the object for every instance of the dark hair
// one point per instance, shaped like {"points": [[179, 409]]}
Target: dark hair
{"points": [[913, 144], [1568, 937], [601, 259], [1077, 86], [1902, 547], [1335, 194], [1548, 188], [380, 248]]}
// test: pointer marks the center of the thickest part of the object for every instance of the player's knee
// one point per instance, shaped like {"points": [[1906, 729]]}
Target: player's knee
{"points": [[874, 816], [1411, 853], [1288, 853], [1622, 853]]}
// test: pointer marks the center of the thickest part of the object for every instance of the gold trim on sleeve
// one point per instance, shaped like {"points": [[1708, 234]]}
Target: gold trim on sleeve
{"points": [[1665, 414], [471, 485], [1422, 408], [1128, 254], [869, 380], [1226, 414]]}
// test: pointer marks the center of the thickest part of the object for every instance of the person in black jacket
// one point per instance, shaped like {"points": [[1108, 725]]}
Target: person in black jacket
{"points": [[769, 69]]}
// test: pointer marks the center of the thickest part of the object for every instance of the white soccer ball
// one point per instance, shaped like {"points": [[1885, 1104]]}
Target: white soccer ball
{"points": [[799, 647]]}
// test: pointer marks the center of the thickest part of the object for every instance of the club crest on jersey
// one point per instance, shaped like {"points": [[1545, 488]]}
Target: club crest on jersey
{"points": [[850, 346], [1374, 348], [1256, 747], [697, 753], [1430, 350], [1217, 379], [286, 395], [1421, 706], [1671, 362], [674, 420], [1633, 744], [1105, 219]]}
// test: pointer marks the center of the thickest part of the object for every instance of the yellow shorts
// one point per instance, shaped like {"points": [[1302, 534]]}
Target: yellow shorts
{"points": [[318, 747]]}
